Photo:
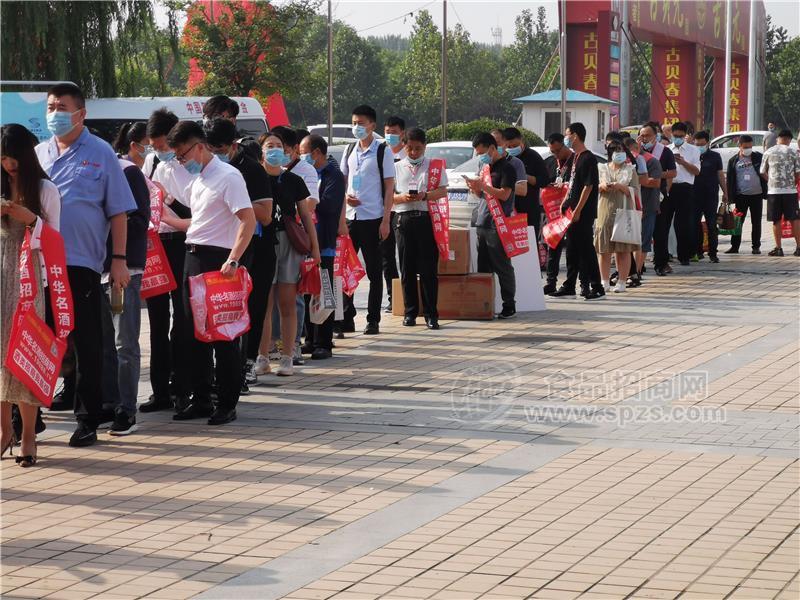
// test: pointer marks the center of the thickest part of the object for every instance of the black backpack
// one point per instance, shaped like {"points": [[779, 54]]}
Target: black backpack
{"points": [[381, 154]]}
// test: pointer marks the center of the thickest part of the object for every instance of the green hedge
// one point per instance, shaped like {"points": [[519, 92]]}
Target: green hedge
{"points": [[466, 131]]}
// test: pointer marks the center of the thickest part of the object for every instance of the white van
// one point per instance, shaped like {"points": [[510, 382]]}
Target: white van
{"points": [[105, 116]]}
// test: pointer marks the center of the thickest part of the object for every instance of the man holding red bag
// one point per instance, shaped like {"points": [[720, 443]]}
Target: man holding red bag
{"points": [[220, 230]]}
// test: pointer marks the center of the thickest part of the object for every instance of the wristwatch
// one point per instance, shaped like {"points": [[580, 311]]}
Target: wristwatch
{"points": [[232, 262]]}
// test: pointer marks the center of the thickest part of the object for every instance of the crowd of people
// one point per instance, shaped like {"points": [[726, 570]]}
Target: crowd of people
{"points": [[271, 205]]}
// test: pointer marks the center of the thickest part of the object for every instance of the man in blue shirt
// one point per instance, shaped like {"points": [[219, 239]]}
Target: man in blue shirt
{"points": [[95, 199]]}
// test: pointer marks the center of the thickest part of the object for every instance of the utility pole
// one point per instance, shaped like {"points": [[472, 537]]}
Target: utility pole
{"points": [[330, 72], [728, 64], [444, 70], [563, 41], [752, 72]]}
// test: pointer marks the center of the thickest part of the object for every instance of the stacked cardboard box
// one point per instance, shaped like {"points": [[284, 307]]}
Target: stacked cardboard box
{"points": [[462, 295]]}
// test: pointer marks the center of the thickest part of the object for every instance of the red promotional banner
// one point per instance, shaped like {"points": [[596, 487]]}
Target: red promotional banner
{"points": [[552, 197], [34, 356], [513, 230], [554, 231], [439, 210], [219, 305], [786, 229], [347, 265], [156, 204], [157, 278]]}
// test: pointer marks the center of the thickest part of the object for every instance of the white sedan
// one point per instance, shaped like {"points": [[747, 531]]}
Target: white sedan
{"points": [[727, 145]]}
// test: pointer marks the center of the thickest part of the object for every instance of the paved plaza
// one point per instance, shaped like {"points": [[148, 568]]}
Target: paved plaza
{"points": [[640, 446]]}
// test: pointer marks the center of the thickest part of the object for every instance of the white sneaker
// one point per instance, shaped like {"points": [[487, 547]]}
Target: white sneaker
{"points": [[606, 285], [286, 368], [620, 287], [275, 352], [262, 365]]}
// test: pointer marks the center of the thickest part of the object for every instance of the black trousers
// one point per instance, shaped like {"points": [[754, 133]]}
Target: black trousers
{"points": [[86, 339], [366, 237], [677, 206], [705, 206], [227, 372], [754, 204], [419, 255], [581, 255], [553, 262], [169, 346], [321, 336], [261, 258], [389, 254], [492, 258]]}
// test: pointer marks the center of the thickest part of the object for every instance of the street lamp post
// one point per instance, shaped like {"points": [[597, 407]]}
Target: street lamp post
{"points": [[330, 72], [444, 70]]}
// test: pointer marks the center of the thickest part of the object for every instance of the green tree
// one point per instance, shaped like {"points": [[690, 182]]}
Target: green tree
{"points": [[418, 76], [250, 47], [641, 83], [783, 84], [775, 108], [149, 62], [473, 73], [67, 40]]}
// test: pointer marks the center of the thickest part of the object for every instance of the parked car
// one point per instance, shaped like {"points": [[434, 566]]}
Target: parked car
{"points": [[342, 133], [454, 153], [461, 201], [728, 144]]}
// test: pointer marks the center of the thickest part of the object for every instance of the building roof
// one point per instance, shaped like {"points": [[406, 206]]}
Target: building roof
{"points": [[573, 96]]}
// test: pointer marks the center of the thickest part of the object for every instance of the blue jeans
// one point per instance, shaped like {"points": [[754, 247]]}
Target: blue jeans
{"points": [[300, 305], [121, 352]]}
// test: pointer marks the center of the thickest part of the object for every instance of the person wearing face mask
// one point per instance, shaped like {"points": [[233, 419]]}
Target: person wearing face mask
{"points": [[227, 108], [521, 187], [680, 201], [780, 169], [706, 194], [95, 200], [747, 190], [616, 179], [259, 258], [649, 182], [219, 232], [535, 176], [772, 136], [394, 131], [419, 254], [582, 199], [132, 143], [496, 178], [330, 223], [369, 168], [559, 170]]}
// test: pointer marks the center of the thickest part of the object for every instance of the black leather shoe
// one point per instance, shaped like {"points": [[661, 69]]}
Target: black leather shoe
{"points": [[432, 324], [61, 404], [660, 271], [348, 327], [756, 251], [155, 404], [713, 259], [595, 294], [372, 329], [306, 348], [549, 289], [321, 354], [507, 313], [220, 416], [194, 408], [338, 334], [408, 322], [732, 251], [563, 292]]}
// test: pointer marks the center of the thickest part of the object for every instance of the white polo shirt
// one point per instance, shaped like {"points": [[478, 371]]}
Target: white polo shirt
{"points": [[361, 171], [309, 175], [176, 180], [215, 196], [408, 173], [690, 154]]}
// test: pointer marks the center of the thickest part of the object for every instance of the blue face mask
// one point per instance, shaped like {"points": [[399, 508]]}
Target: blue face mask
{"points": [[568, 142], [501, 151], [648, 145], [702, 149], [393, 139], [286, 159], [619, 157], [275, 157], [484, 159], [223, 156], [307, 158], [678, 141], [360, 132], [59, 123], [416, 161], [165, 156], [193, 167], [658, 137], [514, 151]]}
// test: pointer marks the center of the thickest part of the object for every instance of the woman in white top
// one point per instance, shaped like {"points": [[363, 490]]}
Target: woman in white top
{"points": [[28, 196]]}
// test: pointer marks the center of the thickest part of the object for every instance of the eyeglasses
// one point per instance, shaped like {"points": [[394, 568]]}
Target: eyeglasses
{"points": [[182, 157]]}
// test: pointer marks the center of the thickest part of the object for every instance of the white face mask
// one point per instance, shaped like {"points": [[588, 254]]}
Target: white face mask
{"points": [[747, 151]]}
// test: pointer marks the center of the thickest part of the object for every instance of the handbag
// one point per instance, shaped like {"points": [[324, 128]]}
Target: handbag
{"points": [[627, 224], [725, 219], [298, 236]]}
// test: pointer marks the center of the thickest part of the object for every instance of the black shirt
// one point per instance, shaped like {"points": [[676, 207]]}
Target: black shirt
{"points": [[585, 174], [534, 166], [553, 170], [138, 221], [332, 187], [667, 160], [255, 177], [287, 190], [710, 166], [503, 175]]}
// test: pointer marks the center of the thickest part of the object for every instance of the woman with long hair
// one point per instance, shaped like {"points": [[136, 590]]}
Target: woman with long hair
{"points": [[616, 177], [28, 196], [132, 143]]}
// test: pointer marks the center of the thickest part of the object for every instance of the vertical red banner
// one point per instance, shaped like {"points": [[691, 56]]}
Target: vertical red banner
{"points": [[738, 105], [675, 95]]}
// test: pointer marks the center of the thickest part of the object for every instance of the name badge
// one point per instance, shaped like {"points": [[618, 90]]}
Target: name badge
{"points": [[747, 176], [356, 182]]}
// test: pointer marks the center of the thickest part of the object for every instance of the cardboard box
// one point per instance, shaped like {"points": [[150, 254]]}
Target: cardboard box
{"points": [[459, 254], [460, 297]]}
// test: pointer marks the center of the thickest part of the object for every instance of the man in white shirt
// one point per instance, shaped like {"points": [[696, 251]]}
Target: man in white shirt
{"points": [[219, 232], [781, 170], [419, 254], [681, 194], [368, 166]]}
